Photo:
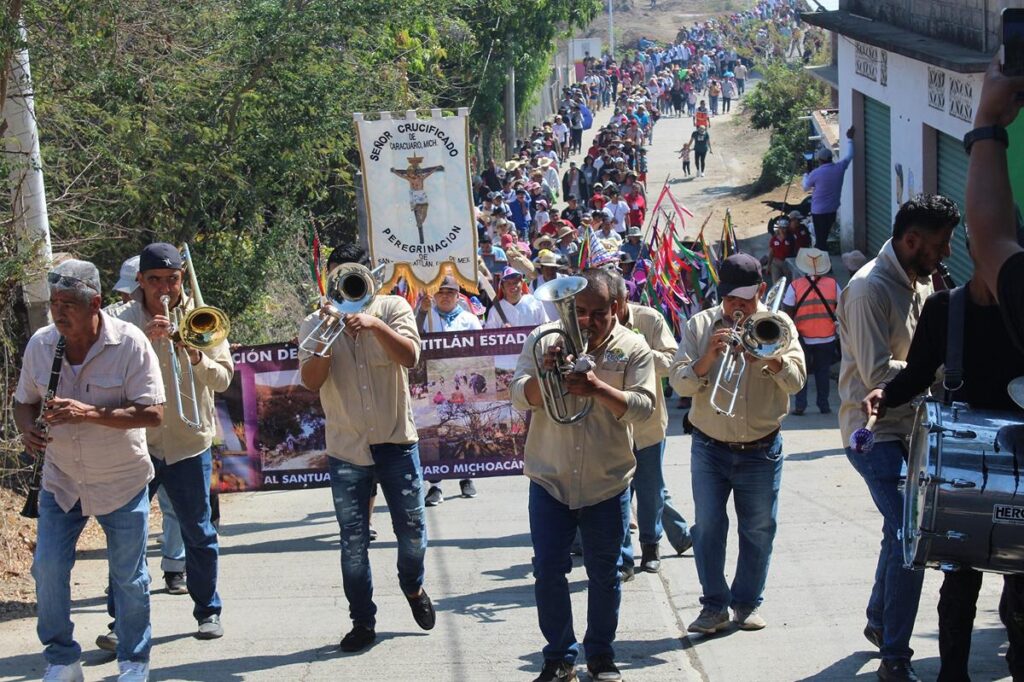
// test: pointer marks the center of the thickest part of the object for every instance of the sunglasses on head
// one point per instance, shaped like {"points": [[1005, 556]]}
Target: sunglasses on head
{"points": [[67, 281]]}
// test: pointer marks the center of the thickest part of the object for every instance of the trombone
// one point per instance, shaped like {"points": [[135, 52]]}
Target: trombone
{"points": [[202, 328], [764, 335], [350, 289], [562, 293]]}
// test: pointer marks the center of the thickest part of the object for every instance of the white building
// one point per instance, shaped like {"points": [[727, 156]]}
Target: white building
{"points": [[908, 78]]}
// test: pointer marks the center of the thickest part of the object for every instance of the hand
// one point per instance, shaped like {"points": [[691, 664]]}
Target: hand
{"points": [[850, 132], [999, 101], [426, 302], [583, 385], [873, 403], [34, 439], [719, 343], [553, 359], [158, 328], [195, 355], [66, 411], [360, 322]]}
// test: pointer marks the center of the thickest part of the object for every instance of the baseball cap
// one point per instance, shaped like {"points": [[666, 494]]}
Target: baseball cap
{"points": [[739, 275], [449, 283], [75, 274], [159, 255], [824, 154], [509, 273], [126, 282]]}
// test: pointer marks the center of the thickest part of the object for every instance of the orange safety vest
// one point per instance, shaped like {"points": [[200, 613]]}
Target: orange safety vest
{"points": [[812, 318], [701, 118]]}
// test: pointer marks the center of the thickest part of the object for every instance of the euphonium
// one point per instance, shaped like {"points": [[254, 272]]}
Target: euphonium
{"points": [[764, 335], [350, 289], [562, 293]]}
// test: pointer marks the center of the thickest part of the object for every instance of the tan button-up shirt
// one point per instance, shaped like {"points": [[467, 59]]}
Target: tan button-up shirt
{"points": [[101, 466], [763, 401], [592, 460], [651, 324], [174, 441], [878, 312], [366, 395]]}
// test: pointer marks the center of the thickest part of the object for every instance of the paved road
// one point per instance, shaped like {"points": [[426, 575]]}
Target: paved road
{"points": [[285, 610]]}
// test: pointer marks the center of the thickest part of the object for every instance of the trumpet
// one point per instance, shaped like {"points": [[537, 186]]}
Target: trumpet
{"points": [[764, 335], [202, 328], [562, 293], [350, 289]]}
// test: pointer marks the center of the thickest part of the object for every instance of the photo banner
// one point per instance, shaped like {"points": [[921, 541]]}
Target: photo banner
{"points": [[419, 197], [270, 429]]}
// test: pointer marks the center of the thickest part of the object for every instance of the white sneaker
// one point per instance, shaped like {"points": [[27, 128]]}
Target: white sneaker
{"points": [[133, 671], [64, 673]]}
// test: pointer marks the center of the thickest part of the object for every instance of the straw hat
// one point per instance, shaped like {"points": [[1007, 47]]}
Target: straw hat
{"points": [[545, 161], [511, 165], [813, 261], [548, 259], [543, 242], [565, 230]]}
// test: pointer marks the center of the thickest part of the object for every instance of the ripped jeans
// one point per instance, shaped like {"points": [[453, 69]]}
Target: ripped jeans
{"points": [[397, 469]]}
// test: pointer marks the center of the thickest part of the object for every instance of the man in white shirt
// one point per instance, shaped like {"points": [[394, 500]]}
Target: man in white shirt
{"points": [[619, 210], [442, 312], [515, 308]]}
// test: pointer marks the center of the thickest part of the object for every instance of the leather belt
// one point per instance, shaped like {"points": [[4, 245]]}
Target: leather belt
{"points": [[759, 444]]}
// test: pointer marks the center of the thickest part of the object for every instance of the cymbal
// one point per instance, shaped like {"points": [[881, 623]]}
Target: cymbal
{"points": [[1016, 390]]}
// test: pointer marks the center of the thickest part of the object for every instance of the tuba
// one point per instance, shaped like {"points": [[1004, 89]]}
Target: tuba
{"points": [[562, 293], [350, 289], [764, 335], [202, 328]]}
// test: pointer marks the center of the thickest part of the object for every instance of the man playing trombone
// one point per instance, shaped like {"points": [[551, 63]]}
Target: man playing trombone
{"points": [[736, 445], [580, 461], [181, 450]]}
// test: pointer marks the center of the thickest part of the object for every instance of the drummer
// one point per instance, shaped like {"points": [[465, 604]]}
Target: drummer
{"points": [[986, 368]]}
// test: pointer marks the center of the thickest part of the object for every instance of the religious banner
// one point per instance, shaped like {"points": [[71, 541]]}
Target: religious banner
{"points": [[419, 198], [270, 428]]}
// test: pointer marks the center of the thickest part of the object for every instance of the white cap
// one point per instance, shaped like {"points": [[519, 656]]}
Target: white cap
{"points": [[126, 283]]}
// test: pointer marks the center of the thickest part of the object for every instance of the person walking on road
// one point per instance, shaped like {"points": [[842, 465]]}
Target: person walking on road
{"points": [[826, 184], [700, 140]]}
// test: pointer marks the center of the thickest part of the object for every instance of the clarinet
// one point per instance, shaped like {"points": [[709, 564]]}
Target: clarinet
{"points": [[31, 508], [947, 279]]}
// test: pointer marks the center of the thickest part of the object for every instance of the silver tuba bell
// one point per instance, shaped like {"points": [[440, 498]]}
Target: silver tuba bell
{"points": [[764, 335], [350, 289], [562, 293]]}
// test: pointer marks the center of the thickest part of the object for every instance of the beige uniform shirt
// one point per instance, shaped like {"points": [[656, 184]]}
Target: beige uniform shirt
{"points": [[101, 466], [592, 460], [878, 312], [174, 441], [651, 325], [366, 395], [763, 401]]}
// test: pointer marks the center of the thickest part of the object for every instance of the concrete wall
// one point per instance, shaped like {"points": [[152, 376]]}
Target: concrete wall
{"points": [[971, 23], [921, 99]]}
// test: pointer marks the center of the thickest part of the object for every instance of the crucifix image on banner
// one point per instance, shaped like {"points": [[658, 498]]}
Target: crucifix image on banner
{"points": [[426, 160]]}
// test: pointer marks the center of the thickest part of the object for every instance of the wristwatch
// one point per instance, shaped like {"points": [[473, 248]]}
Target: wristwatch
{"points": [[986, 133]]}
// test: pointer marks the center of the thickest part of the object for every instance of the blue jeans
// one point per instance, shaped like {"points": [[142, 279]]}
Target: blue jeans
{"points": [[754, 478], [892, 606], [677, 531], [58, 532], [552, 527], [653, 511], [819, 361], [397, 469], [172, 547]]}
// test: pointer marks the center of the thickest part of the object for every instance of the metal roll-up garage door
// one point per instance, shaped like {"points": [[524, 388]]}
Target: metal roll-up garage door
{"points": [[877, 175], [951, 182]]}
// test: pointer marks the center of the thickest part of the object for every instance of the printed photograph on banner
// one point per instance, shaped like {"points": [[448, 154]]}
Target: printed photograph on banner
{"points": [[235, 474], [230, 427], [290, 434], [419, 200], [468, 431], [462, 379], [504, 369]]}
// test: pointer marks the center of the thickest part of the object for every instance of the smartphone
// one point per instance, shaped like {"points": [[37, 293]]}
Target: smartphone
{"points": [[1013, 41]]}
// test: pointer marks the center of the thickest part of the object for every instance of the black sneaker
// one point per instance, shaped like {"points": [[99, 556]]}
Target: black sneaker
{"points": [[602, 669], [423, 610], [555, 670], [897, 670], [434, 497], [650, 559], [357, 640], [175, 583], [686, 544], [626, 572], [873, 635], [373, 533], [108, 642], [468, 489], [210, 628]]}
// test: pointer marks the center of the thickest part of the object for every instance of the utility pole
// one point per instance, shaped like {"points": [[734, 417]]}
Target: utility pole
{"points": [[28, 194], [611, 28], [510, 113]]}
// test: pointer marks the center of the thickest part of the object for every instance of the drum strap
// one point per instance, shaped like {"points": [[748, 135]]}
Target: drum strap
{"points": [[953, 380]]}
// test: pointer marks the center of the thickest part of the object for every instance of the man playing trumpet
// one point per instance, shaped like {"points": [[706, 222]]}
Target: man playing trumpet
{"points": [[181, 453], [739, 454], [580, 473]]}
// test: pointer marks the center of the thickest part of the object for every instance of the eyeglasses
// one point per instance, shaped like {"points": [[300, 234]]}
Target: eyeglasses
{"points": [[68, 281]]}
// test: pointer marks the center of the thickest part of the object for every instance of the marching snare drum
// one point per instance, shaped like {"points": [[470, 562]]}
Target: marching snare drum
{"points": [[963, 503]]}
